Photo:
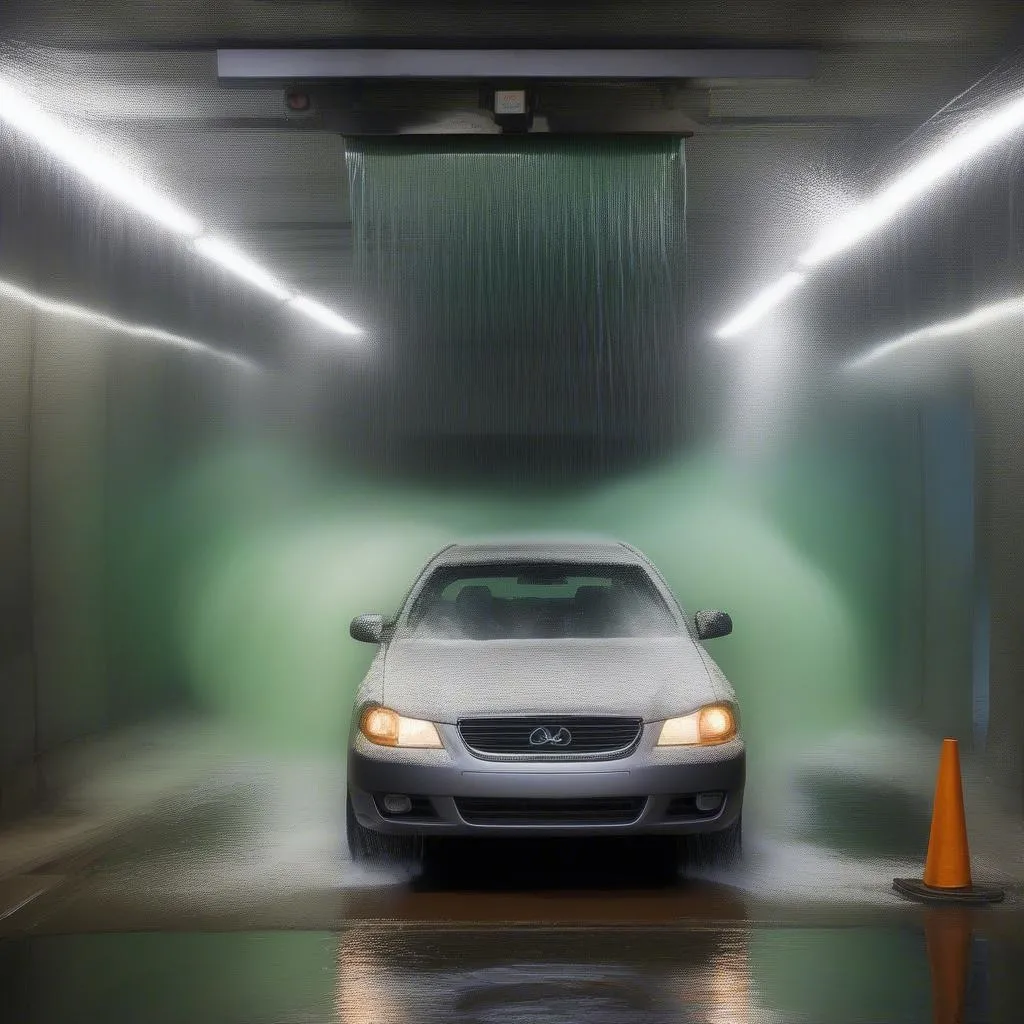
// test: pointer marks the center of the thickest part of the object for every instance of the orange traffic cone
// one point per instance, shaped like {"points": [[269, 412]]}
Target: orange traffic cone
{"points": [[947, 868], [947, 933]]}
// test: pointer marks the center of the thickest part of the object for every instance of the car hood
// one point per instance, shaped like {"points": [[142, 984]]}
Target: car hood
{"points": [[445, 680]]}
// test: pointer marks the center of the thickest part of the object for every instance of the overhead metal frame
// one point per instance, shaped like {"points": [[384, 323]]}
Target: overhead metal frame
{"points": [[275, 65]]}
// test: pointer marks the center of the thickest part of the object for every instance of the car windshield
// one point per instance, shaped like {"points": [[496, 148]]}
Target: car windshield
{"points": [[534, 600]]}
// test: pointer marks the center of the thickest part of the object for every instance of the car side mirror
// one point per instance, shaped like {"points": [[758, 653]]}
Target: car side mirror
{"points": [[712, 624], [368, 629]]}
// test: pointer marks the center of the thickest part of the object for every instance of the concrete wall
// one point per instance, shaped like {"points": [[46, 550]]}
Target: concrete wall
{"points": [[67, 452], [948, 563], [90, 420], [998, 366], [96, 417], [17, 665]]}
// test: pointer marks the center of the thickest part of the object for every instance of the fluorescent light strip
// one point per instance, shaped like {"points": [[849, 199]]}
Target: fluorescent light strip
{"points": [[101, 320], [980, 317], [868, 217], [324, 315], [760, 304], [93, 163], [238, 263], [89, 160]]}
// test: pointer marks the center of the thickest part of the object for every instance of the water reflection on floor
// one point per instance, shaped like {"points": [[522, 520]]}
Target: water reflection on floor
{"points": [[241, 905], [373, 975]]}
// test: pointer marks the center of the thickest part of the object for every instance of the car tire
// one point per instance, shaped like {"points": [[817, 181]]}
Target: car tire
{"points": [[375, 848], [722, 849]]}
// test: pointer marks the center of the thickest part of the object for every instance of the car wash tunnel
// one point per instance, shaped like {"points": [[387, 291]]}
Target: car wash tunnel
{"points": [[511, 512]]}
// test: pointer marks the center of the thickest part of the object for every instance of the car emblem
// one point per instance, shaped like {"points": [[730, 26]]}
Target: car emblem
{"points": [[545, 737]]}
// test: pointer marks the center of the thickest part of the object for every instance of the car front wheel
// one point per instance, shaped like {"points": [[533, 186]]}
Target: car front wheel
{"points": [[722, 849], [368, 847]]}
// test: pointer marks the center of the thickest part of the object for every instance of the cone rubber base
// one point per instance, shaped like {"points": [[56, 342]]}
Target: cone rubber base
{"points": [[915, 889]]}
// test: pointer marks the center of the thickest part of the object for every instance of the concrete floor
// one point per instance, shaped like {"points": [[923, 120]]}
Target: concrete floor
{"points": [[235, 901]]}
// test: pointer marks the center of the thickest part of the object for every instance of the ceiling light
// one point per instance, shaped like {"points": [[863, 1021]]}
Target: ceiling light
{"points": [[324, 316], [238, 263], [970, 322], [77, 151], [69, 311], [866, 218], [760, 304]]}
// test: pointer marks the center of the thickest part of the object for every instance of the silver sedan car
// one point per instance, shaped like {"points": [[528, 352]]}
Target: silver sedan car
{"points": [[543, 689]]}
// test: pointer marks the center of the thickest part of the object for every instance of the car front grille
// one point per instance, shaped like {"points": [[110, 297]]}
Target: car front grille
{"points": [[581, 811], [553, 736]]}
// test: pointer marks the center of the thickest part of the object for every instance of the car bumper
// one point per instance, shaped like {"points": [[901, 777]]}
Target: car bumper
{"points": [[652, 791]]}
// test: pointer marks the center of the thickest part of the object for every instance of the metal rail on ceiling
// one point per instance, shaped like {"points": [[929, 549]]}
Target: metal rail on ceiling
{"points": [[250, 65]]}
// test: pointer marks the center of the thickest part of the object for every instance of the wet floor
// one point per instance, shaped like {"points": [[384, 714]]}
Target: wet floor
{"points": [[242, 906], [368, 974]]}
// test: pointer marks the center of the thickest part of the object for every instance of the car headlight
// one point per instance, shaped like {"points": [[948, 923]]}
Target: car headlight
{"points": [[388, 728], [713, 724]]}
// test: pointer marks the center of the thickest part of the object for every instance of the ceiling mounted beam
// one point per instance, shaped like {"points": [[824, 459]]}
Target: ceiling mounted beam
{"points": [[270, 65]]}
